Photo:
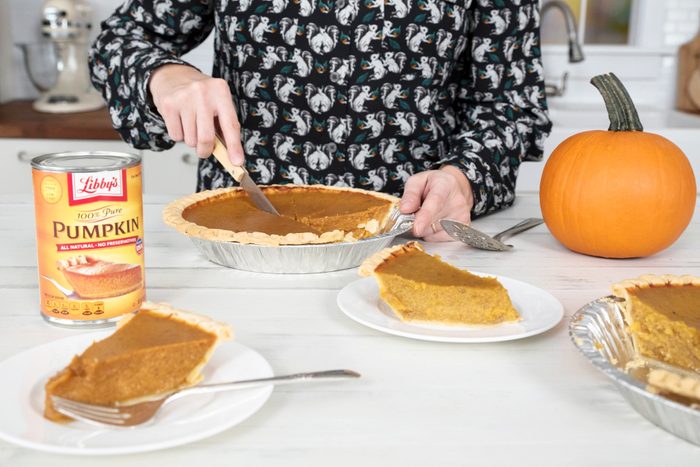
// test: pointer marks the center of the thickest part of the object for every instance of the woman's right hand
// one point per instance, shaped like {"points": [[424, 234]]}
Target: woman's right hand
{"points": [[190, 102]]}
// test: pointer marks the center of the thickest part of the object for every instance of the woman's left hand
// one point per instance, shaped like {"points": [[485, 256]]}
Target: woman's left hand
{"points": [[435, 195]]}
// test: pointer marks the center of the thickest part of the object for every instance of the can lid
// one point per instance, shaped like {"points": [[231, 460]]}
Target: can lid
{"points": [[85, 161]]}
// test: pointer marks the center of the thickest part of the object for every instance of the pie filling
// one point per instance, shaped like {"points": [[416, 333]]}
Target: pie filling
{"points": [[665, 323], [152, 354], [421, 287], [309, 210]]}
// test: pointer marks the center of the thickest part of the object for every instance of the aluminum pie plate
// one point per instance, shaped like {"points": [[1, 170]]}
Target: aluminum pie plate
{"points": [[599, 331], [298, 259]]}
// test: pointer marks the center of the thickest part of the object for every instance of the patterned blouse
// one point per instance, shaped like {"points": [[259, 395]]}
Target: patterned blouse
{"points": [[360, 93]]}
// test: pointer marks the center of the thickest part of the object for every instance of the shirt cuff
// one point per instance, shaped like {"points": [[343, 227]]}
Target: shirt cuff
{"points": [[144, 70]]}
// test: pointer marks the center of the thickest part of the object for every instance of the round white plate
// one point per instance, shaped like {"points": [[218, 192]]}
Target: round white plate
{"points": [[539, 309], [182, 421]]}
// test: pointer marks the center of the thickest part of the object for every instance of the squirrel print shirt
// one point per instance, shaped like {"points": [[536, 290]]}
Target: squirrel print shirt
{"points": [[361, 93]]}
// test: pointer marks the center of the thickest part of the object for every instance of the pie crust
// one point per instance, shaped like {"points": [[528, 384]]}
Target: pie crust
{"points": [[684, 385], [622, 288], [367, 224]]}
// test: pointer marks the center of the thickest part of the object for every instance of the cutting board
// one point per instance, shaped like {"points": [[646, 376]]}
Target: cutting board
{"points": [[688, 84]]}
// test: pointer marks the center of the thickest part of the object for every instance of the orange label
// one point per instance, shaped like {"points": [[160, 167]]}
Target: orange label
{"points": [[89, 243]]}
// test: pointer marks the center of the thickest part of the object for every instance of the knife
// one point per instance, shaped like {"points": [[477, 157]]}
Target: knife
{"points": [[241, 175]]}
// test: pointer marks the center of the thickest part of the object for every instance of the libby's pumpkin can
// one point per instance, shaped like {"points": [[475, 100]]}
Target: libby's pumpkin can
{"points": [[89, 231]]}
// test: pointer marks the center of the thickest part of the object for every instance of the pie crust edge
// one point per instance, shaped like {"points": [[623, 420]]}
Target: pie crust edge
{"points": [[620, 289], [665, 380]]}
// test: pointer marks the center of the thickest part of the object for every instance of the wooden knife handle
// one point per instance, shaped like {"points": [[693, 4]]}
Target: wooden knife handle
{"points": [[221, 154]]}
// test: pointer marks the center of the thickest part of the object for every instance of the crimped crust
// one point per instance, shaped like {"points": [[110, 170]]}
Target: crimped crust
{"points": [[221, 330], [172, 216], [621, 288], [373, 262], [687, 386]]}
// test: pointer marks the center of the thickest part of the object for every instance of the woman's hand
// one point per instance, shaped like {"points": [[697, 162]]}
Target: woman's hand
{"points": [[435, 195], [190, 102]]}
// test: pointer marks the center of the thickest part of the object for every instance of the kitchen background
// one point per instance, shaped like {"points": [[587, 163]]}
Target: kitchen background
{"points": [[636, 39]]}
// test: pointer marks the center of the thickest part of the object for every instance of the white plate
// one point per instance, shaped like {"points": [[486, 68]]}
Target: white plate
{"points": [[539, 309], [183, 421]]}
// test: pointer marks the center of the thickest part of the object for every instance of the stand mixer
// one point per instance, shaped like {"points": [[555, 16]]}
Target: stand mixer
{"points": [[66, 24]]}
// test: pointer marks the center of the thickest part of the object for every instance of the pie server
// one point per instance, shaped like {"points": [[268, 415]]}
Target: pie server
{"points": [[241, 175], [475, 238]]}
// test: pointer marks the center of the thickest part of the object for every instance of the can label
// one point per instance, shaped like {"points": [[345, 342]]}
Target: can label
{"points": [[89, 243]]}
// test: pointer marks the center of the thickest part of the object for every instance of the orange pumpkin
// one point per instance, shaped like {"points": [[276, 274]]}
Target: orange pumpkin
{"points": [[620, 193]]}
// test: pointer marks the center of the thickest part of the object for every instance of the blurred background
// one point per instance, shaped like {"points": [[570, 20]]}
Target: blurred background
{"points": [[639, 40]]}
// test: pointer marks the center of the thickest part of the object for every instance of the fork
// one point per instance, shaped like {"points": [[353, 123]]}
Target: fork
{"points": [[396, 220], [138, 413]]}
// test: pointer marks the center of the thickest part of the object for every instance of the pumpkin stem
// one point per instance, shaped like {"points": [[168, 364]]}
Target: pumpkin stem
{"points": [[621, 110]]}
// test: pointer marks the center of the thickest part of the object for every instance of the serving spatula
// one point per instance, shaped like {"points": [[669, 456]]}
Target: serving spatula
{"points": [[477, 239], [241, 175]]}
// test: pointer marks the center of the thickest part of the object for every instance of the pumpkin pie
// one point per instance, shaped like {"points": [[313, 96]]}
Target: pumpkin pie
{"points": [[422, 288], [662, 313], [93, 278], [308, 214], [154, 351]]}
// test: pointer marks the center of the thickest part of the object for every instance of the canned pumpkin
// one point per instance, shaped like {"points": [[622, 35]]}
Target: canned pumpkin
{"points": [[89, 223]]}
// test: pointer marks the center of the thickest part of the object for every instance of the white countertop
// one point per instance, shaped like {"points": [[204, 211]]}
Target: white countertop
{"points": [[534, 402]]}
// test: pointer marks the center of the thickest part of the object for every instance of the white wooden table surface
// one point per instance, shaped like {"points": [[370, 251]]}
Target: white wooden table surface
{"points": [[534, 402]]}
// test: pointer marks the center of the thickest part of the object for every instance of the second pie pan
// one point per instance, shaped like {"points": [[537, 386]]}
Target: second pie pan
{"points": [[297, 259], [599, 331]]}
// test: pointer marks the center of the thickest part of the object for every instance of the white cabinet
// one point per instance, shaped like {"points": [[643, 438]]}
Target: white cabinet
{"points": [[17, 153], [680, 128], [171, 172]]}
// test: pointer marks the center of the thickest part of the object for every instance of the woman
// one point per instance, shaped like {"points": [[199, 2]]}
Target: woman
{"points": [[438, 100]]}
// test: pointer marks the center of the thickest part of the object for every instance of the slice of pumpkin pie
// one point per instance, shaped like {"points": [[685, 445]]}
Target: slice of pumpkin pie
{"points": [[662, 313], [157, 350], [422, 288]]}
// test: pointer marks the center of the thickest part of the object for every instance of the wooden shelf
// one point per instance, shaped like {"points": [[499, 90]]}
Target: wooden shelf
{"points": [[19, 120]]}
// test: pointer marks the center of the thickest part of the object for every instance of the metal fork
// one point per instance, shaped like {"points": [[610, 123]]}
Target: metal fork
{"points": [[141, 412], [397, 221]]}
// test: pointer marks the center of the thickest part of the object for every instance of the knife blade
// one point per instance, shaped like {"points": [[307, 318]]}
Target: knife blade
{"points": [[241, 175]]}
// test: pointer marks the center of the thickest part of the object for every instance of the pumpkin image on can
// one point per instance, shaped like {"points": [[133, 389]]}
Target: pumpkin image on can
{"points": [[620, 193], [89, 220]]}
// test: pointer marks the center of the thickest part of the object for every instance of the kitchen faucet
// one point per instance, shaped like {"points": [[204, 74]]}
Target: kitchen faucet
{"points": [[575, 48]]}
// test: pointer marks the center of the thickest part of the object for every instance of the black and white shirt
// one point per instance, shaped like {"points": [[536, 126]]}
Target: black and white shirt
{"points": [[361, 93]]}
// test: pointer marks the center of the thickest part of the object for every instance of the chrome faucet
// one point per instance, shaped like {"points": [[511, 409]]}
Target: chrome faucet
{"points": [[575, 48]]}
